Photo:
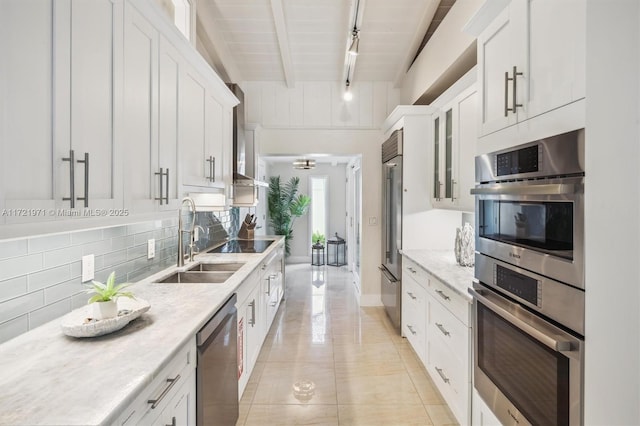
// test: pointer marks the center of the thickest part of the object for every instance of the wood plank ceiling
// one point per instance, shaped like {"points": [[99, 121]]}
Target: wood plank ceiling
{"points": [[306, 40]]}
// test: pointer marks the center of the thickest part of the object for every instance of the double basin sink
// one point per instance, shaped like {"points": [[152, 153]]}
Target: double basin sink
{"points": [[213, 273]]}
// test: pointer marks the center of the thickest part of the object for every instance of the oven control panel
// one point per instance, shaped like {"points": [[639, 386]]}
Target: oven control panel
{"points": [[522, 286], [525, 160]]}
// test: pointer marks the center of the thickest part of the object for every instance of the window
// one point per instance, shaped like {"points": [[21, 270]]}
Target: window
{"points": [[319, 206]]}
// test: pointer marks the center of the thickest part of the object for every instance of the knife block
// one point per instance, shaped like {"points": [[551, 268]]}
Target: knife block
{"points": [[245, 233]]}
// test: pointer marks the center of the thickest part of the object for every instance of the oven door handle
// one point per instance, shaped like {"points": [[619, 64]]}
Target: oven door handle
{"points": [[537, 333], [546, 189]]}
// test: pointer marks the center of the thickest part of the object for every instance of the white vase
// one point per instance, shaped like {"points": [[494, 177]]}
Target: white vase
{"points": [[105, 310]]}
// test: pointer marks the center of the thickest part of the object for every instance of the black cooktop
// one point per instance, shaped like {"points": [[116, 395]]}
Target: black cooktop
{"points": [[242, 246]]}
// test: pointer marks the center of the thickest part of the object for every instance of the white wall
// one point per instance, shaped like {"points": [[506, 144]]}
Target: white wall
{"points": [[319, 104], [612, 198], [336, 176], [344, 142]]}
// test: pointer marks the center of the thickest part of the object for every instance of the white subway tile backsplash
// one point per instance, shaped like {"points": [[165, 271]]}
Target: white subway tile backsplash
{"points": [[49, 277], [21, 305], [97, 247], [13, 328], [143, 237], [48, 243], [13, 248], [122, 242], [137, 252], [76, 269], [137, 228], [13, 288], [49, 313], [79, 300], [22, 265]]}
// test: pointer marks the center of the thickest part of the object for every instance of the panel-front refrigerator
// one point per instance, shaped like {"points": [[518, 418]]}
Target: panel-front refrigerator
{"points": [[391, 267]]}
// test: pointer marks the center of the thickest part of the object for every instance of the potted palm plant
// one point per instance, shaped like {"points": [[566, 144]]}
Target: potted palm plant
{"points": [[285, 204], [105, 297]]}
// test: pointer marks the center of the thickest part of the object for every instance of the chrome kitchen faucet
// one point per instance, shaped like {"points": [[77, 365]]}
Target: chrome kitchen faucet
{"points": [[181, 231]]}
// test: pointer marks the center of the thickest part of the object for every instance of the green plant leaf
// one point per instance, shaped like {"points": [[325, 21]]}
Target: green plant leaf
{"points": [[284, 206], [109, 291]]}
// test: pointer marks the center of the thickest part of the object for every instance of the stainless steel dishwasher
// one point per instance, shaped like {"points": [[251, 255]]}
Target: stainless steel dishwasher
{"points": [[217, 371]]}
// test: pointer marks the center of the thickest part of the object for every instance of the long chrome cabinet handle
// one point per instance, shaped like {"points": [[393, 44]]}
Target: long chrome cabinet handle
{"points": [[252, 321], [442, 376], [443, 330], [212, 168], [72, 179], [515, 88], [166, 196], [410, 327], [161, 174], [164, 393], [506, 94], [441, 294], [528, 328], [86, 180], [453, 196], [506, 189]]}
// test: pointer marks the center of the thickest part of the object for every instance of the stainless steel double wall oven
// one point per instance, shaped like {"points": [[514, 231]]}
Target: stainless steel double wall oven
{"points": [[529, 287]]}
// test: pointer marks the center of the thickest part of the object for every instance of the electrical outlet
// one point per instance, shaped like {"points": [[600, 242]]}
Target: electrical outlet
{"points": [[151, 248], [88, 267]]}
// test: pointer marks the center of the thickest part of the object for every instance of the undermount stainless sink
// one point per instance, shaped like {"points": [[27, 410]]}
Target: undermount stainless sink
{"points": [[208, 273], [229, 266], [197, 277]]}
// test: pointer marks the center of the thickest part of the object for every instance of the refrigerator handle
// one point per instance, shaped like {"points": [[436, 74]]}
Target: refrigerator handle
{"points": [[387, 275], [387, 201]]}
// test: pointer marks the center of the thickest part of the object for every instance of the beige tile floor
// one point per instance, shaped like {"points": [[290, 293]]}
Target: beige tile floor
{"points": [[361, 371]]}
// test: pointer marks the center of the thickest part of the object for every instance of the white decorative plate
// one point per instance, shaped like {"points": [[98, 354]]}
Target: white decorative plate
{"points": [[79, 323]]}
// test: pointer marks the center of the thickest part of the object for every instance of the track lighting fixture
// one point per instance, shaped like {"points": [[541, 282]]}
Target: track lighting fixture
{"points": [[347, 92], [355, 42]]}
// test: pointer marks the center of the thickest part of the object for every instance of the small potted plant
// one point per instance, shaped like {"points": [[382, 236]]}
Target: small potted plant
{"points": [[105, 297], [317, 238]]}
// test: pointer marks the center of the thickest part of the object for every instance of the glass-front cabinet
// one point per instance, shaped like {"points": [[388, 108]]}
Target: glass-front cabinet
{"points": [[454, 149]]}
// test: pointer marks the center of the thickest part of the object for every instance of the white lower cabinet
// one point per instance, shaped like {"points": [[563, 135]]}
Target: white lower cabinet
{"points": [[436, 322], [258, 301], [481, 413], [170, 395]]}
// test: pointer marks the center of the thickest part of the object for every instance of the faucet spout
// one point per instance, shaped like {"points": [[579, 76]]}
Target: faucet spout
{"points": [[192, 206]]}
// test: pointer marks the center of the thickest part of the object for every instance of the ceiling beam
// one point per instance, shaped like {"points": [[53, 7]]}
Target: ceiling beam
{"points": [[216, 47], [283, 42], [404, 65]]}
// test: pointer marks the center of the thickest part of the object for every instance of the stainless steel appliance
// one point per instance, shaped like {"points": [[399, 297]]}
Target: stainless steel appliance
{"points": [[529, 288], [217, 370], [391, 267], [245, 156], [530, 206]]}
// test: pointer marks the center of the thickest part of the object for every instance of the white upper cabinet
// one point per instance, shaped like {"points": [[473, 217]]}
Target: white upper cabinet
{"points": [[27, 127], [454, 136], [95, 79], [63, 80], [140, 113], [193, 94], [531, 61]]}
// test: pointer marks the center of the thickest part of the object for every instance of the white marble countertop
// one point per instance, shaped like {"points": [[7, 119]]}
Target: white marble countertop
{"points": [[442, 264], [48, 378]]}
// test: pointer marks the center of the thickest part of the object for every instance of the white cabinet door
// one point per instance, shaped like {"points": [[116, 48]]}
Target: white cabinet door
{"points": [[500, 48], [181, 409], [95, 83], [557, 41], [169, 64], [27, 128], [254, 329], [464, 149], [531, 59], [194, 168], [140, 110], [214, 141], [454, 149]]}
